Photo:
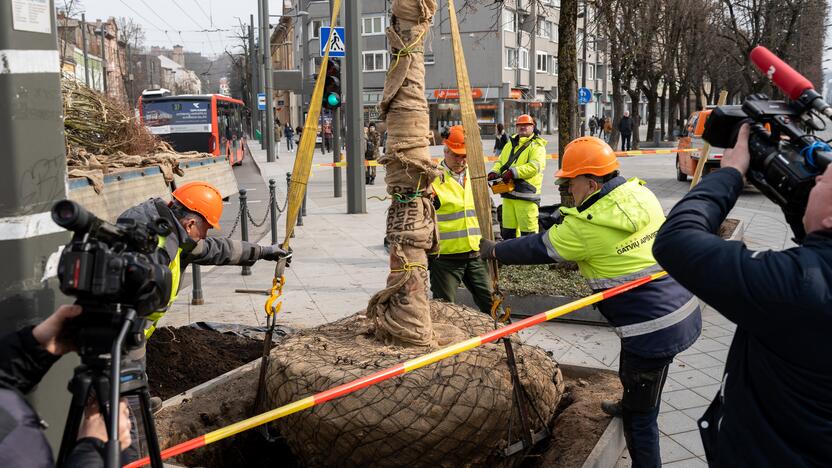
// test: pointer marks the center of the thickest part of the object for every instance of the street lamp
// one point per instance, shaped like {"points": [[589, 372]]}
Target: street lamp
{"points": [[583, 15]]}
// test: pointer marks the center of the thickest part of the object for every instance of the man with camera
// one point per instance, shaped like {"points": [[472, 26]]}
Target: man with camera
{"points": [[609, 234], [26, 357], [774, 407]]}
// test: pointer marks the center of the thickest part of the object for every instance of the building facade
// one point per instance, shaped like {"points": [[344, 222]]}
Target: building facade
{"points": [[511, 54]]}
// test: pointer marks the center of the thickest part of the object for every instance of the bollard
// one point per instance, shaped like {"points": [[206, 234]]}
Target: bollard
{"points": [[244, 226], [273, 210], [303, 207], [288, 190], [196, 289]]}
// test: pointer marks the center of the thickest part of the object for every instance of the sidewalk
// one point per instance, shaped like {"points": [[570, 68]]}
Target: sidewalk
{"points": [[340, 262]]}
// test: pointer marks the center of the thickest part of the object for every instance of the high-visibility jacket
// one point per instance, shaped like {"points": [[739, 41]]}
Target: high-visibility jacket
{"points": [[527, 168], [459, 230], [175, 274], [610, 236]]}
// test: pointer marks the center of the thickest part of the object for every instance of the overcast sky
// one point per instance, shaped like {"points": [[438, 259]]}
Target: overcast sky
{"points": [[168, 22]]}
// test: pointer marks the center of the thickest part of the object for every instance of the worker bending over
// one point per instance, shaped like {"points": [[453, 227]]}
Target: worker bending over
{"points": [[521, 162], [610, 234], [459, 231]]}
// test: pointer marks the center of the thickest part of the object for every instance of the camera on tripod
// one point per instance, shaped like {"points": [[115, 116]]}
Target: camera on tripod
{"points": [[785, 155], [110, 268]]}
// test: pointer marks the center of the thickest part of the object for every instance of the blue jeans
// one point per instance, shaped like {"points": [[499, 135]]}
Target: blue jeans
{"points": [[643, 380]]}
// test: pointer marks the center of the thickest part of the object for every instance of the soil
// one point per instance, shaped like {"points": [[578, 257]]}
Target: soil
{"points": [[726, 229], [559, 279], [576, 428], [179, 359]]}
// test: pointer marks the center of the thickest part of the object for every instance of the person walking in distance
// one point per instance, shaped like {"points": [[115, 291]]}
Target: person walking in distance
{"points": [[500, 139], [593, 124], [625, 128], [371, 153], [289, 134]]}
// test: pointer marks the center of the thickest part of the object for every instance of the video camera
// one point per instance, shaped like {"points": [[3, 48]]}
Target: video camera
{"points": [[785, 157], [110, 268]]}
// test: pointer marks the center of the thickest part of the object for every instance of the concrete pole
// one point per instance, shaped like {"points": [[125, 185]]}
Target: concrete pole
{"points": [[356, 192], [336, 141], [265, 47], [103, 58], [583, 73], [304, 64], [252, 69], [32, 180], [84, 48], [533, 54]]}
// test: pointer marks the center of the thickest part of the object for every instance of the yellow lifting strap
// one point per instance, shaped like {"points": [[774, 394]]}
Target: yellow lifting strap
{"points": [[476, 159]]}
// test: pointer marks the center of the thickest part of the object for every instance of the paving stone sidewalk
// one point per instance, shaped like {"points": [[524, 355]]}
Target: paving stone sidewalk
{"points": [[340, 262]]}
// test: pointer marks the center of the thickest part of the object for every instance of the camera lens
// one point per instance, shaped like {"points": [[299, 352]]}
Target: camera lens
{"points": [[70, 215]]}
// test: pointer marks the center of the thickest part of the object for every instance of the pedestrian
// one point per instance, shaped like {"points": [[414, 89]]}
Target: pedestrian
{"points": [[609, 233], [774, 406], [593, 124], [458, 260], [371, 153], [625, 128], [607, 128], [522, 161], [196, 207], [289, 134], [327, 136], [500, 139], [602, 122]]}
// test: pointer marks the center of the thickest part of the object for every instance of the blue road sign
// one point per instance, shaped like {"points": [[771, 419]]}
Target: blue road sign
{"points": [[584, 96], [261, 101], [338, 45]]}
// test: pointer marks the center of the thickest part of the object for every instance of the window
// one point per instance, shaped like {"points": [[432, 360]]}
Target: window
{"points": [[509, 21], [524, 59], [375, 60], [544, 28], [511, 58], [580, 69], [372, 26], [315, 28], [590, 43], [429, 59], [542, 62], [554, 65], [590, 72]]}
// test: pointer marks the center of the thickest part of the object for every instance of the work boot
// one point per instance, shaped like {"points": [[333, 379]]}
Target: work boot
{"points": [[612, 408], [155, 404]]}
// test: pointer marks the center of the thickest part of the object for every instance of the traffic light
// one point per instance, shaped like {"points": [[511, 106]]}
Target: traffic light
{"points": [[332, 85]]}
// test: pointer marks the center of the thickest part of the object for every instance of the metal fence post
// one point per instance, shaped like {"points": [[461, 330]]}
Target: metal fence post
{"points": [[244, 226], [273, 210], [303, 207], [288, 187], [196, 289]]}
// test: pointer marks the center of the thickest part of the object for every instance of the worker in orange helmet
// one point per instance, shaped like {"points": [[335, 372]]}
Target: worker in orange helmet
{"points": [[609, 234], [195, 208], [521, 162]]}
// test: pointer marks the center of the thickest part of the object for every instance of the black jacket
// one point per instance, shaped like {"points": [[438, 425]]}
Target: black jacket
{"points": [[625, 125], [23, 363], [775, 406]]}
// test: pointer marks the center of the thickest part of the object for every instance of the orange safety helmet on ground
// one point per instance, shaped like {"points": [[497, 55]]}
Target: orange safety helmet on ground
{"points": [[202, 198], [586, 155], [524, 119], [456, 140]]}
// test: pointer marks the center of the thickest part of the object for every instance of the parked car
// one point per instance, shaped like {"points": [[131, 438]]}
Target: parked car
{"points": [[692, 138]]}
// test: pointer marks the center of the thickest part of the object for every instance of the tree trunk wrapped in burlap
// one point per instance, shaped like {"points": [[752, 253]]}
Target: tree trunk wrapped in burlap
{"points": [[452, 413], [400, 311]]}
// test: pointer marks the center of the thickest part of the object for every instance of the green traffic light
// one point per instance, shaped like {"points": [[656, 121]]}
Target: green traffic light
{"points": [[333, 100]]}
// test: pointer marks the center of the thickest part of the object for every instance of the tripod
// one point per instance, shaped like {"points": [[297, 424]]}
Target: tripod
{"points": [[99, 373]]}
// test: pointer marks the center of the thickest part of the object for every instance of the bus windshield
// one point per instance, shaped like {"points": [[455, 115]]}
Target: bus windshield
{"points": [[165, 117]]}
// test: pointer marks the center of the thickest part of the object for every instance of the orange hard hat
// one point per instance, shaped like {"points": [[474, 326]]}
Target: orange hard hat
{"points": [[456, 140], [202, 198], [586, 155], [524, 119]]}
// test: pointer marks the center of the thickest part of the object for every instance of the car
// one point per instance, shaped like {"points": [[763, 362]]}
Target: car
{"points": [[686, 161]]}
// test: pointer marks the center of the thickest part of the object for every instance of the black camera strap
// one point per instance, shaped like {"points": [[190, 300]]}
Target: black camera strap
{"points": [[515, 153]]}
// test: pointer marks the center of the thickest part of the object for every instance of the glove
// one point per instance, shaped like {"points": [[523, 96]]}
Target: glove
{"points": [[507, 176], [493, 176], [487, 247], [275, 253]]}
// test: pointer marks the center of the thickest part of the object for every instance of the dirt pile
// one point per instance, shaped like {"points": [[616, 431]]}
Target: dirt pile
{"points": [[451, 413]]}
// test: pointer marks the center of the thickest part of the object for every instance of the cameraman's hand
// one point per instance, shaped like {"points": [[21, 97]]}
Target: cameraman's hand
{"points": [[738, 157], [49, 333], [95, 427]]}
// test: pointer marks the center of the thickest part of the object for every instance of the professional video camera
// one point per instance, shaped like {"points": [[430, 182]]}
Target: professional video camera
{"points": [[118, 277], [785, 157]]}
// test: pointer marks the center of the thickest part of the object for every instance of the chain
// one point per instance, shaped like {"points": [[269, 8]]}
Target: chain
{"points": [[265, 216], [234, 227], [280, 211]]}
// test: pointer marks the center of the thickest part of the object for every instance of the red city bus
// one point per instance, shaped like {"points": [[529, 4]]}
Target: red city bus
{"points": [[208, 123]]}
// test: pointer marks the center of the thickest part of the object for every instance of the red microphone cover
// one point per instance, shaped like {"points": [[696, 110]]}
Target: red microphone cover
{"points": [[785, 77]]}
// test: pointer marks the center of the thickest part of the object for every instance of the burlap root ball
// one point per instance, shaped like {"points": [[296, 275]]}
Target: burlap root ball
{"points": [[454, 412]]}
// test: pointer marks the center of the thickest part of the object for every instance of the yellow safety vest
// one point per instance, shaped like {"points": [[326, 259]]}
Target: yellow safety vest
{"points": [[154, 318], [459, 230]]}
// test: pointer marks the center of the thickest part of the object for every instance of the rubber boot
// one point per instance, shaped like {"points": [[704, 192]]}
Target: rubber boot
{"points": [[612, 408]]}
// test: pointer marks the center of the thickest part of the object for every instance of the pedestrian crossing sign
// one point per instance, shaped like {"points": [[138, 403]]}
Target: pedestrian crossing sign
{"points": [[337, 47]]}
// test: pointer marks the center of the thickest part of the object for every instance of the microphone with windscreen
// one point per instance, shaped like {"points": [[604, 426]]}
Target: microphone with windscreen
{"points": [[792, 83]]}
